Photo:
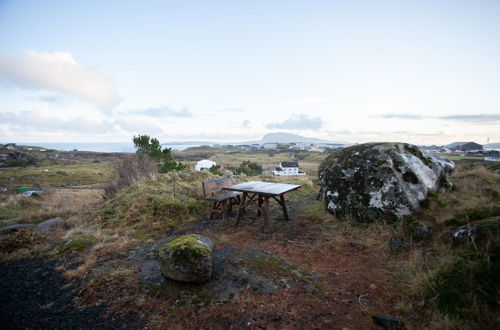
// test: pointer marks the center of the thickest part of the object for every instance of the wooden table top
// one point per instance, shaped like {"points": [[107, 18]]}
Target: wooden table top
{"points": [[263, 188]]}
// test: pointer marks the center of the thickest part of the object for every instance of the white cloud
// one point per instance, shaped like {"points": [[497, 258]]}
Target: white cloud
{"points": [[304, 101], [40, 121], [59, 71], [299, 122]]}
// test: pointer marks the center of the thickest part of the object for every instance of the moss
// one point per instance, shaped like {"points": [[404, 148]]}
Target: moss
{"points": [[191, 242], [474, 214], [272, 266], [76, 244]]}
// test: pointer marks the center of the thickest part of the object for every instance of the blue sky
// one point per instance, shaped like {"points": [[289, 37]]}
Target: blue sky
{"points": [[414, 71]]}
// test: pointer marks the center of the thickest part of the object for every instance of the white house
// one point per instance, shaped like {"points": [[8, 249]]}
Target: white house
{"points": [[204, 164], [288, 169], [270, 146]]}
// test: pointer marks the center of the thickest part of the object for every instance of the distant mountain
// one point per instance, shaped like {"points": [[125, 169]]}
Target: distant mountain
{"points": [[492, 145], [268, 138], [290, 138]]}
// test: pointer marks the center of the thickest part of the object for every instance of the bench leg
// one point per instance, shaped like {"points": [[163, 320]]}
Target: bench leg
{"points": [[214, 207]]}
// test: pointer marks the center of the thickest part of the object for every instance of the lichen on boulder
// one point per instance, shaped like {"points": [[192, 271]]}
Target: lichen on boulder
{"points": [[187, 258], [381, 181]]}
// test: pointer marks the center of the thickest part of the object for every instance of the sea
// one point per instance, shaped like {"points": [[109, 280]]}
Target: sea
{"points": [[101, 147]]}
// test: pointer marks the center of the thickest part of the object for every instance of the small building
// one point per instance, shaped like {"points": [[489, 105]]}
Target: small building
{"points": [[204, 164], [10, 146], [270, 146], [492, 159], [288, 169]]}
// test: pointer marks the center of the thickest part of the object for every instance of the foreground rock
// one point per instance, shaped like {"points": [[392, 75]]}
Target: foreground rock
{"points": [[478, 232], [14, 228], [48, 225], [187, 258], [381, 181]]}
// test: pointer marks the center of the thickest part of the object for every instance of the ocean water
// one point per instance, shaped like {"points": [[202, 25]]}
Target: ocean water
{"points": [[101, 147]]}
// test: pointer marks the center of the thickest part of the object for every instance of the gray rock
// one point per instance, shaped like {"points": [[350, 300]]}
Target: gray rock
{"points": [[423, 231], [9, 221], [397, 244], [14, 228], [477, 232], [187, 258], [380, 181], [48, 225]]}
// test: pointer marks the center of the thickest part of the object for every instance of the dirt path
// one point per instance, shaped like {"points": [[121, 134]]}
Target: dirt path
{"points": [[33, 295]]}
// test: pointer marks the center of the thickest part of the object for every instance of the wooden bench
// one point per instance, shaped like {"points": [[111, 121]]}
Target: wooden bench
{"points": [[222, 201]]}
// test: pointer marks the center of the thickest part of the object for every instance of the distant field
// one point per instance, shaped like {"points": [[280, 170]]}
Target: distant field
{"points": [[61, 173], [231, 158]]}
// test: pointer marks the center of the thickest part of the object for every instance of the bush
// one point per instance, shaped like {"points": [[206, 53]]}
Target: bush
{"points": [[130, 169], [152, 147], [249, 168]]}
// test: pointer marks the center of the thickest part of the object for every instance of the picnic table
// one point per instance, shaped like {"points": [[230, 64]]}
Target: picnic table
{"points": [[259, 193]]}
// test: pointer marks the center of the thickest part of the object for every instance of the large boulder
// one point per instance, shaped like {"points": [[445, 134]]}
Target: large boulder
{"points": [[187, 258], [380, 181]]}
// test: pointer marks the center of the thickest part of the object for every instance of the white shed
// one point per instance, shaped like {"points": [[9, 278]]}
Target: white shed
{"points": [[204, 164]]}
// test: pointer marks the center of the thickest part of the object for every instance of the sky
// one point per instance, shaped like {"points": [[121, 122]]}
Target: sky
{"points": [[424, 72]]}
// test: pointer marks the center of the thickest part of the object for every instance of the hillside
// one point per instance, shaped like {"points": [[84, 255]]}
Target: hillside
{"points": [[314, 271]]}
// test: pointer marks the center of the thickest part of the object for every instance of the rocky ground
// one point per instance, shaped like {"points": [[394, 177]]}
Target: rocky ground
{"points": [[34, 295]]}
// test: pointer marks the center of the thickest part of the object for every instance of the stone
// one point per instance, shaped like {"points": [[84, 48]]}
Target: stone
{"points": [[381, 181], [13, 228], [397, 244], [422, 231], [187, 258], [477, 232], [48, 225]]}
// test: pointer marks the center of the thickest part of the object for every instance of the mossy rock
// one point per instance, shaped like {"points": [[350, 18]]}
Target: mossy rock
{"points": [[76, 244], [380, 181], [187, 258]]}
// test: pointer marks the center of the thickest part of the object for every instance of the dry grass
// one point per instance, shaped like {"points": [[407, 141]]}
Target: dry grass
{"points": [[360, 277]]}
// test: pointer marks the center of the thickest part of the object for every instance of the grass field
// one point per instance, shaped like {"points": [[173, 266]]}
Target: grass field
{"points": [[359, 275], [58, 173]]}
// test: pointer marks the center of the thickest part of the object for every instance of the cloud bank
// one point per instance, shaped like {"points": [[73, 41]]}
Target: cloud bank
{"points": [[299, 122], [474, 118], [161, 112], [59, 71]]}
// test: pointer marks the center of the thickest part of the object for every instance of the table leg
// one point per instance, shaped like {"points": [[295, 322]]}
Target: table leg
{"points": [[266, 210], [261, 200], [283, 206], [241, 209]]}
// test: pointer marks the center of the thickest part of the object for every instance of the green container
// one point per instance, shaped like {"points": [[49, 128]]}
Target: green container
{"points": [[23, 189]]}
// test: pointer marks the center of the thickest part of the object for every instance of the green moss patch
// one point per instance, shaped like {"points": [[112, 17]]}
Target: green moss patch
{"points": [[76, 244]]}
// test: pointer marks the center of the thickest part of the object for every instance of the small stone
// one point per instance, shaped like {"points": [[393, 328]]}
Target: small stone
{"points": [[396, 244]]}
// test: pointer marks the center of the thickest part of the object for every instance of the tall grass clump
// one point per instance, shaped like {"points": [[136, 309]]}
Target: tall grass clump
{"points": [[129, 169], [157, 203]]}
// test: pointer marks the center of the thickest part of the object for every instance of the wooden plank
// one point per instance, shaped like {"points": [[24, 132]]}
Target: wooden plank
{"points": [[224, 195], [213, 186], [263, 188]]}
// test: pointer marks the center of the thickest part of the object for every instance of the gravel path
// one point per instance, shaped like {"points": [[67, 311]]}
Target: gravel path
{"points": [[33, 295]]}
